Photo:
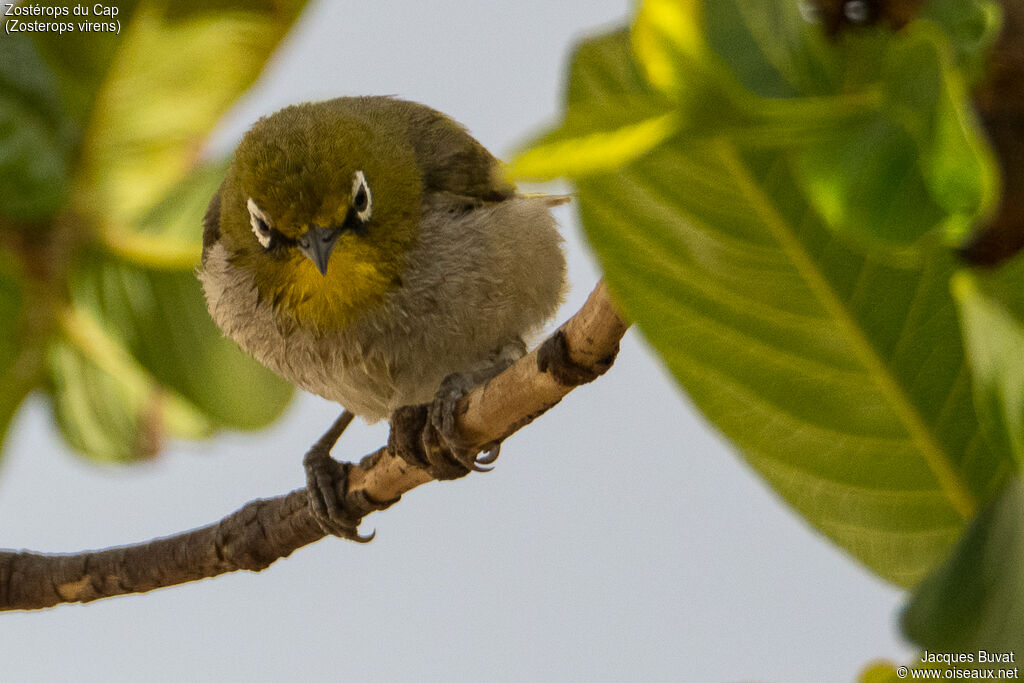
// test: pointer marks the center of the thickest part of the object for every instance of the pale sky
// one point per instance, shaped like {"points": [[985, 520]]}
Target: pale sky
{"points": [[619, 538]]}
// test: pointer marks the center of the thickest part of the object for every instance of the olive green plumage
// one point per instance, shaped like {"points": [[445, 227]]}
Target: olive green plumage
{"points": [[365, 248]]}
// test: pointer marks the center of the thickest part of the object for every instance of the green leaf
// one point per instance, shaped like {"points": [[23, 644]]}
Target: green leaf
{"points": [[168, 236], [161, 319], [35, 136], [12, 312], [153, 113], [106, 405], [17, 371], [600, 133], [839, 376], [901, 160], [975, 600], [604, 136], [972, 28], [771, 51], [919, 165], [80, 59], [664, 33], [878, 125], [582, 146], [992, 320], [98, 413]]}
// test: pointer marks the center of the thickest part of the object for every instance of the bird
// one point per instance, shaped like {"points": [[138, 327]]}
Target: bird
{"points": [[370, 251]]}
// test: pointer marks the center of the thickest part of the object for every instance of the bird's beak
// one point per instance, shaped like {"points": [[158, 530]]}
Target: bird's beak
{"points": [[317, 245]]}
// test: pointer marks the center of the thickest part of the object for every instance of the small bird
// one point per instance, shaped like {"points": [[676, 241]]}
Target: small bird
{"points": [[370, 251]]}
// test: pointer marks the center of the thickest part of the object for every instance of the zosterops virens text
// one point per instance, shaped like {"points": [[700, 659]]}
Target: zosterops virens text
{"points": [[368, 248]]}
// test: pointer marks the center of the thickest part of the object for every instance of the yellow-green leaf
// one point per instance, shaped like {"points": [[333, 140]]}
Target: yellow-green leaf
{"points": [[169, 235], [992, 323], [563, 153], [106, 405], [173, 75], [667, 35]]}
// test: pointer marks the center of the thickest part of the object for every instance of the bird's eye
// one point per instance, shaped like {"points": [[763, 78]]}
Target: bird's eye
{"points": [[362, 200], [260, 224]]}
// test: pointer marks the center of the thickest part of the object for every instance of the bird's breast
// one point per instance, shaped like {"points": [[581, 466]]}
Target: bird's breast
{"points": [[473, 281]]}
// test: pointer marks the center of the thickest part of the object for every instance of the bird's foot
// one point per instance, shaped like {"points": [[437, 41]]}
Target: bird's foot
{"points": [[438, 447], [450, 457], [323, 473]]}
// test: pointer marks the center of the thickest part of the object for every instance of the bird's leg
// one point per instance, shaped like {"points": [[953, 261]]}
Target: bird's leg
{"points": [[322, 471], [450, 457]]}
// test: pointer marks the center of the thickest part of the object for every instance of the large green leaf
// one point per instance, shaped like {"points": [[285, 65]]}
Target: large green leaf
{"points": [[839, 376], [992, 317], [699, 100], [975, 600], [160, 318], [153, 112], [840, 379]]}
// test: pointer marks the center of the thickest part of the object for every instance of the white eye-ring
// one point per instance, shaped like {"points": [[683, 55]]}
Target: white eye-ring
{"points": [[260, 224], [362, 200]]}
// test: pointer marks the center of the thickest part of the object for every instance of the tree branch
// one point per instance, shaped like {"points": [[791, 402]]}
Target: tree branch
{"points": [[262, 531]]}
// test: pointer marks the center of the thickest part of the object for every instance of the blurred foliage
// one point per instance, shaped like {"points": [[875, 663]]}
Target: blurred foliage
{"points": [[778, 207], [102, 193], [975, 600], [991, 310]]}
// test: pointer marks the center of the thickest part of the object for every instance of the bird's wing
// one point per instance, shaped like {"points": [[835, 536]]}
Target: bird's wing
{"points": [[450, 159], [211, 222]]}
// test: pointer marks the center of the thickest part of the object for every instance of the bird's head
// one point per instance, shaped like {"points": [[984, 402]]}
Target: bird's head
{"points": [[321, 206]]}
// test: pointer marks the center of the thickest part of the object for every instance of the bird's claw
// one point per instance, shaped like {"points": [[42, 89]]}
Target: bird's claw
{"points": [[322, 473], [447, 455], [425, 435]]}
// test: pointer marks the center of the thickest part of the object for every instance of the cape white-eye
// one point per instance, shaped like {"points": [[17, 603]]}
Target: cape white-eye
{"points": [[368, 248]]}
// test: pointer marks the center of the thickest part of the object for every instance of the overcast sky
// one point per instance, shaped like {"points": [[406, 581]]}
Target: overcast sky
{"points": [[619, 538]]}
